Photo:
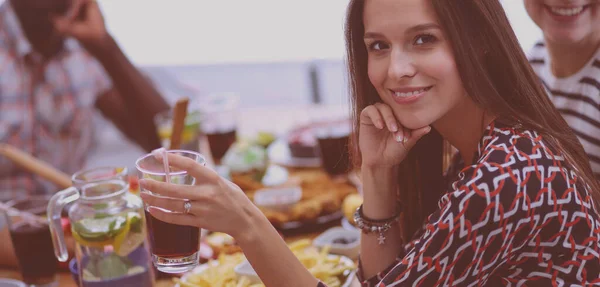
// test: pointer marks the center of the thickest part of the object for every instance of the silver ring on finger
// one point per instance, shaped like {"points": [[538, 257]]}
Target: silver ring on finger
{"points": [[187, 206]]}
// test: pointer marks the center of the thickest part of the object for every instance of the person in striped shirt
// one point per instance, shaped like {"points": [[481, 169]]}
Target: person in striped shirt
{"points": [[567, 61]]}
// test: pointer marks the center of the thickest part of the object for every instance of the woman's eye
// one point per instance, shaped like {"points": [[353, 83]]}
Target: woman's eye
{"points": [[425, 39], [377, 46]]}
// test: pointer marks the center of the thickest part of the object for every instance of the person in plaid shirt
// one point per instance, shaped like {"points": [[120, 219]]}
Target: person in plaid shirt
{"points": [[58, 64]]}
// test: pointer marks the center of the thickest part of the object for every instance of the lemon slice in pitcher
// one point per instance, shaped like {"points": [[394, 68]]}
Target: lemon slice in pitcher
{"points": [[131, 237], [99, 232]]}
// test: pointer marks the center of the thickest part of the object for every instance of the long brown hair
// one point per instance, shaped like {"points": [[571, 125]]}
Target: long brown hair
{"points": [[497, 76]]}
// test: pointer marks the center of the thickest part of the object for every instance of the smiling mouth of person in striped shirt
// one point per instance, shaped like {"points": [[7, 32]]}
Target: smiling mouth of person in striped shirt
{"points": [[568, 12], [565, 12]]}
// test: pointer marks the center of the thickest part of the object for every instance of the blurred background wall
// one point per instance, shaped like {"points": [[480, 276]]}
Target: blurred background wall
{"points": [[270, 52]]}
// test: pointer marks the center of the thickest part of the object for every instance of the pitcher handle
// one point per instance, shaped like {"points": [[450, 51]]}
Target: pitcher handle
{"points": [[55, 207]]}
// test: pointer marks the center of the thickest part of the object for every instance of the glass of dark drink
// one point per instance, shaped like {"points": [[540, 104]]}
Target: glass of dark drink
{"points": [[219, 123], [333, 142], [32, 242], [174, 247]]}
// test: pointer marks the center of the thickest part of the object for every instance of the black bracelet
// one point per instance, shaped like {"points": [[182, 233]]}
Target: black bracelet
{"points": [[381, 221], [381, 226]]}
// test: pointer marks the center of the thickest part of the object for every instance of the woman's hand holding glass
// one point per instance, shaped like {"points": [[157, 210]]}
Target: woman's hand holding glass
{"points": [[216, 203]]}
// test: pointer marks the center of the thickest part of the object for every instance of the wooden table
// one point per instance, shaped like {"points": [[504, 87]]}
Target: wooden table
{"points": [[277, 120]]}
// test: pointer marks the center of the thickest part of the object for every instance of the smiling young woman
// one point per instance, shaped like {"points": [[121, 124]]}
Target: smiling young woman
{"points": [[520, 208]]}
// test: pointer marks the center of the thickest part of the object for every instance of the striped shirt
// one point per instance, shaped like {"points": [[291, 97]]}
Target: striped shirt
{"points": [[46, 106], [577, 97]]}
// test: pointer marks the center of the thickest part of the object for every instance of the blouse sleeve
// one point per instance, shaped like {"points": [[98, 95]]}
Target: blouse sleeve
{"points": [[463, 241]]}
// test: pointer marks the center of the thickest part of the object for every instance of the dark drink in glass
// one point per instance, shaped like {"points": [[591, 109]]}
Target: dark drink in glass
{"points": [[218, 122], [219, 143], [32, 242], [172, 241], [35, 253], [174, 248], [333, 146]]}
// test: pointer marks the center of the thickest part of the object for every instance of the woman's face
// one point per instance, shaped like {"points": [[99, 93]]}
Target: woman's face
{"points": [[567, 21], [410, 63]]}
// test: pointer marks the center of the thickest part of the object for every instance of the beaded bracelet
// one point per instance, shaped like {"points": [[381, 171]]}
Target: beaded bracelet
{"points": [[381, 226]]}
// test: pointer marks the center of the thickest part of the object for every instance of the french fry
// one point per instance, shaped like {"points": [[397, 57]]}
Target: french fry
{"points": [[220, 272], [300, 245]]}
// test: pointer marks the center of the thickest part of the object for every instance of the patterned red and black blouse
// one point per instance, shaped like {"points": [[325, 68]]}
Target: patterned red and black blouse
{"points": [[514, 217]]}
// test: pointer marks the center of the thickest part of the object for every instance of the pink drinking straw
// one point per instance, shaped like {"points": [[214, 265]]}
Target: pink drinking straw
{"points": [[162, 153]]}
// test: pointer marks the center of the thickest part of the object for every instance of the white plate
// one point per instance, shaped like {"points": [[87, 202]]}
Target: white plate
{"points": [[11, 283], [343, 259], [349, 250], [348, 226], [279, 153], [275, 175]]}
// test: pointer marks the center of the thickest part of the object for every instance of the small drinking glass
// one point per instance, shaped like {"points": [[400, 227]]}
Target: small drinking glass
{"points": [[32, 242], [219, 122], [333, 142], [174, 247], [190, 136]]}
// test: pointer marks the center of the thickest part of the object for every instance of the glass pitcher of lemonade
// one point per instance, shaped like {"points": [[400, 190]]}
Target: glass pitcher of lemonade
{"points": [[108, 225]]}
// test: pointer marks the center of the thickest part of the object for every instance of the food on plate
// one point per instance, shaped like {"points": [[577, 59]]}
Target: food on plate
{"points": [[349, 206], [331, 269], [316, 182], [245, 182], [247, 162], [222, 243], [306, 210], [324, 266], [302, 142], [320, 196], [282, 198], [277, 218], [220, 273]]}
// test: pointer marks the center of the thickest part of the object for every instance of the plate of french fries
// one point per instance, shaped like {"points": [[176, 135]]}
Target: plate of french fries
{"points": [[333, 270]]}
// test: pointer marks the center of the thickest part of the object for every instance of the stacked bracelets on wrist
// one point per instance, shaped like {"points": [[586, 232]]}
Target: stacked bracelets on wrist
{"points": [[381, 226]]}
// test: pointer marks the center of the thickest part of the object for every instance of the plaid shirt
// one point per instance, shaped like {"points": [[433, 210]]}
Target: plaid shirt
{"points": [[46, 106]]}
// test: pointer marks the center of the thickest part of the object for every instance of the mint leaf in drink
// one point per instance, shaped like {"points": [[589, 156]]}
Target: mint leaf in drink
{"points": [[135, 222], [117, 225], [112, 266], [111, 225]]}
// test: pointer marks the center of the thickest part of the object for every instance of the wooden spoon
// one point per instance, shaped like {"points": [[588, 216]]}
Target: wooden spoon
{"points": [[179, 115], [36, 166]]}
